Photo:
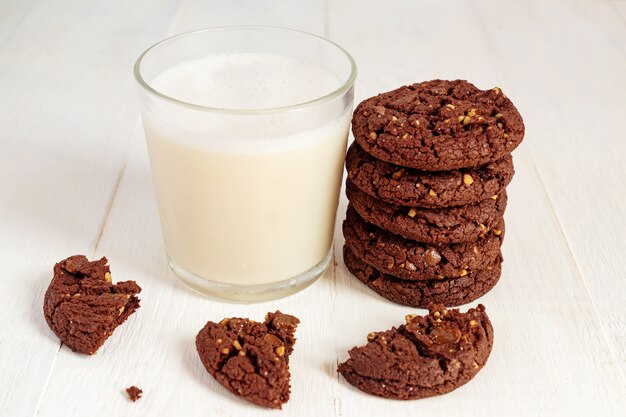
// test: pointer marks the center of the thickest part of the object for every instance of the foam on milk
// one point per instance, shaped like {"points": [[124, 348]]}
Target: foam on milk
{"points": [[247, 199], [245, 81]]}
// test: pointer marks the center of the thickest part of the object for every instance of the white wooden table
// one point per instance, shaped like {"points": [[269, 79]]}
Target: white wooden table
{"points": [[74, 178]]}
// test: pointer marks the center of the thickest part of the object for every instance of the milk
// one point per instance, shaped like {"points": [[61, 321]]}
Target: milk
{"points": [[246, 199]]}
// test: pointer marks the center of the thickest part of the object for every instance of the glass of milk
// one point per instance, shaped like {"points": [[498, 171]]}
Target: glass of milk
{"points": [[246, 129]]}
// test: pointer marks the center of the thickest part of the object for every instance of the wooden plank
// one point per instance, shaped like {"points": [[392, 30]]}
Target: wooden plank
{"points": [[559, 331], [576, 130], [616, 14], [308, 15], [155, 350], [620, 6], [550, 356], [12, 14], [67, 113]]}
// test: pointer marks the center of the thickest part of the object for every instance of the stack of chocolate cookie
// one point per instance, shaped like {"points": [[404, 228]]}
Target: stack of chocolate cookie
{"points": [[426, 184]]}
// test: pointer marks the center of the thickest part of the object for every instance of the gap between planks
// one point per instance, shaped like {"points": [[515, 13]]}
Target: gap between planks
{"points": [[578, 272], [103, 223], [333, 305], [116, 187], [48, 378], [174, 23]]}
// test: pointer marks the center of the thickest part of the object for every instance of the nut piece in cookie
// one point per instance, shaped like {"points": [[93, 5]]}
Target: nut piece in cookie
{"points": [[429, 355], [250, 359], [82, 305]]}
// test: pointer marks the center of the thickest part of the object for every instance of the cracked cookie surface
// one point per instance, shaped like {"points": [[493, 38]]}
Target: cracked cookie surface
{"points": [[413, 260], [83, 307], [429, 355], [249, 358], [437, 226], [447, 291], [410, 187], [438, 125]]}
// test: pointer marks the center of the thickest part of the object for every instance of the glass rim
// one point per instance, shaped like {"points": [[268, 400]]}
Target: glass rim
{"points": [[344, 87]]}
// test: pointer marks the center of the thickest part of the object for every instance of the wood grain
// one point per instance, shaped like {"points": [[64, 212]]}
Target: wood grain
{"points": [[75, 179], [620, 7], [577, 142], [161, 359], [542, 295], [12, 14], [67, 108]]}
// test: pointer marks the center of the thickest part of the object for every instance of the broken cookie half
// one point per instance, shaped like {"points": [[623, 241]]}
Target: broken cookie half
{"points": [[429, 355], [250, 359], [82, 305]]}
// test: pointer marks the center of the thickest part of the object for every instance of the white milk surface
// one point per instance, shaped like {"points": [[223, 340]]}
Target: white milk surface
{"points": [[245, 81], [246, 210]]}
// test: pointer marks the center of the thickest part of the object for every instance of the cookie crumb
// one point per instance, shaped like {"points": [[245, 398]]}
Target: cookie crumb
{"points": [[134, 393]]}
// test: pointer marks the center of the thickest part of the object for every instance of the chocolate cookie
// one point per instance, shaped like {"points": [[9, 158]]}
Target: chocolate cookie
{"points": [[438, 125], [437, 226], [83, 307], [449, 291], [250, 359], [412, 260], [429, 355], [410, 187]]}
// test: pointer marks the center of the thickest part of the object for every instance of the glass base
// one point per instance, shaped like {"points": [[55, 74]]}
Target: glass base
{"points": [[251, 293]]}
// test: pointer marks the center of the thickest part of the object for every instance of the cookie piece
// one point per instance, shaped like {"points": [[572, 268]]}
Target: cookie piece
{"points": [[450, 291], [83, 307], [429, 355], [436, 226], [250, 359], [133, 393], [438, 125], [410, 187], [412, 260]]}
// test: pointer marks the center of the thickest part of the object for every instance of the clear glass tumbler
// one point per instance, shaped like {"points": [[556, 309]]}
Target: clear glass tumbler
{"points": [[247, 193]]}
